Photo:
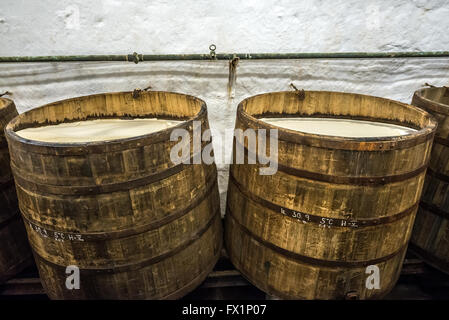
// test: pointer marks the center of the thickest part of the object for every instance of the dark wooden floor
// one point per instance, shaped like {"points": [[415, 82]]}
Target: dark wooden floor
{"points": [[417, 282]]}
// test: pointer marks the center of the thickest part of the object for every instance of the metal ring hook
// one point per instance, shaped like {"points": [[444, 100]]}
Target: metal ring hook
{"points": [[6, 93]]}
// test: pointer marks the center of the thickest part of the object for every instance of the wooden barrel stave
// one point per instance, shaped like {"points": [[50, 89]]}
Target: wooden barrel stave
{"points": [[430, 237], [15, 254], [105, 210], [108, 250], [374, 183], [270, 270], [359, 244], [170, 278], [361, 201]]}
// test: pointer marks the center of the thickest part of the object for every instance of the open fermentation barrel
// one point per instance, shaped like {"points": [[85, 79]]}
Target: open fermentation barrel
{"points": [[15, 253], [136, 224], [336, 205], [430, 237]]}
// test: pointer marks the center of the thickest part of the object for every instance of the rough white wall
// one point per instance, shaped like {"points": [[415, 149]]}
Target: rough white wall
{"points": [[102, 26], [64, 27]]}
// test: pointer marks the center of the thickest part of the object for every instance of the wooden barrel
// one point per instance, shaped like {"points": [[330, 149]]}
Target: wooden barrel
{"points": [[430, 237], [137, 225], [15, 254], [335, 206]]}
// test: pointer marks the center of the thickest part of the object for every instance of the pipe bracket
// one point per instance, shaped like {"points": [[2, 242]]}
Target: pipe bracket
{"points": [[212, 53]]}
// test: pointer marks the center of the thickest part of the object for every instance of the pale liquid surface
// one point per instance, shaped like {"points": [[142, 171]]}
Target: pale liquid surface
{"points": [[340, 127], [96, 130]]}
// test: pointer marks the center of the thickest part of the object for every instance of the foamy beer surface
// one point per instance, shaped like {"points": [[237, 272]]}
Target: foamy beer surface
{"points": [[340, 127], [96, 130]]}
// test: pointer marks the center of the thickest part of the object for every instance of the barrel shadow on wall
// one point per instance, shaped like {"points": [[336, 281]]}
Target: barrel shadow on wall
{"points": [[137, 225], [335, 206]]}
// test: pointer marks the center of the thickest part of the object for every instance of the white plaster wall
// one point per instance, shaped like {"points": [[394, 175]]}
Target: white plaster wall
{"points": [[65, 27]]}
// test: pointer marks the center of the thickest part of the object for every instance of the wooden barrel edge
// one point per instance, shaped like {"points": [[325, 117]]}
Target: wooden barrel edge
{"points": [[438, 175], [7, 221], [429, 258], [41, 147], [442, 141], [8, 107], [436, 210], [342, 143], [429, 105]]}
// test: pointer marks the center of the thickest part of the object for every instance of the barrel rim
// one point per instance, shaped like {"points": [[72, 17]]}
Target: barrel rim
{"points": [[6, 103], [344, 143], [6, 106], [150, 137], [429, 104]]}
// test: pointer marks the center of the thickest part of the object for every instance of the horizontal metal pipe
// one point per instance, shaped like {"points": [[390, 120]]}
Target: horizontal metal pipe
{"points": [[226, 56], [65, 58]]}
